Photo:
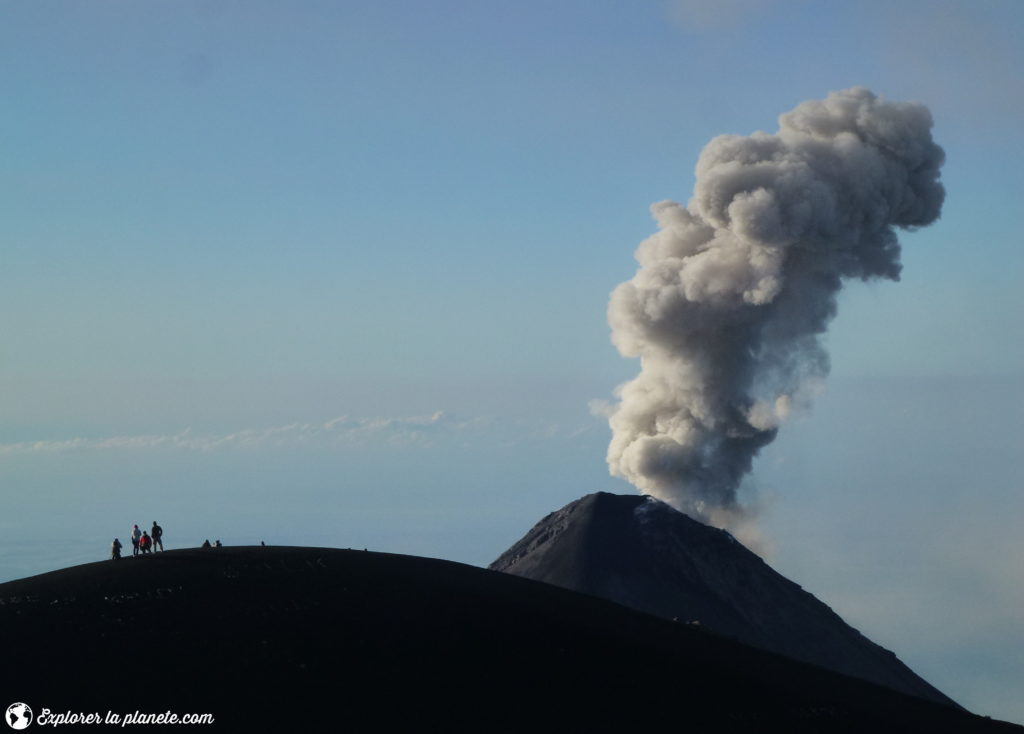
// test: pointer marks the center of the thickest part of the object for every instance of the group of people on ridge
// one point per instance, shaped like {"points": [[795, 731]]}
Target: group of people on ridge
{"points": [[142, 542]]}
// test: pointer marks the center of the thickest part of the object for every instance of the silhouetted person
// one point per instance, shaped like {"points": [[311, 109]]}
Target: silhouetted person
{"points": [[262, 543], [157, 533], [145, 542], [206, 543], [115, 550], [136, 536], [217, 544]]}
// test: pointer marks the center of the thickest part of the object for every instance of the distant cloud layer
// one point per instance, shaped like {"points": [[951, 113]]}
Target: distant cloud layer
{"points": [[344, 432], [341, 431]]}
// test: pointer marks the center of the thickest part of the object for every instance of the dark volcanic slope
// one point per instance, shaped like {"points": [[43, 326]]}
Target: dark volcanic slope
{"points": [[642, 553], [288, 639]]}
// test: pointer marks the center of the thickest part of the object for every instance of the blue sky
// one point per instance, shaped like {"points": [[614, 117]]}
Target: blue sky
{"points": [[226, 225]]}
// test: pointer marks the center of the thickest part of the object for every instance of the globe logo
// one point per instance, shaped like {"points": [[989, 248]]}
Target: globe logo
{"points": [[19, 716]]}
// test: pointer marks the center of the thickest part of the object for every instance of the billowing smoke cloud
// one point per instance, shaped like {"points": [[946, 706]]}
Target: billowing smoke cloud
{"points": [[735, 288]]}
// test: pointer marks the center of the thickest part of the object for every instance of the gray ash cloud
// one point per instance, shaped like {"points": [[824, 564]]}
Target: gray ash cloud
{"points": [[735, 289]]}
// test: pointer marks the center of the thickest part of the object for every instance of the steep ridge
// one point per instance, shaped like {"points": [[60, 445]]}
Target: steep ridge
{"points": [[643, 554]]}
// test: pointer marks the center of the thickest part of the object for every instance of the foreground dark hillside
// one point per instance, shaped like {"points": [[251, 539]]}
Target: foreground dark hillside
{"points": [[282, 638]]}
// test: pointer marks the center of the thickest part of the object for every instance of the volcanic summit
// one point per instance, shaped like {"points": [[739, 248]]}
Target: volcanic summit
{"points": [[641, 553]]}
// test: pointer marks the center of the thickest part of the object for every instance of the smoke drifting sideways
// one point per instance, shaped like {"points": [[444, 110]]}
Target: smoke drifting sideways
{"points": [[735, 289]]}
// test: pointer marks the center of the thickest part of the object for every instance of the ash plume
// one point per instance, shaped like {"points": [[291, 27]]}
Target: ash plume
{"points": [[735, 289]]}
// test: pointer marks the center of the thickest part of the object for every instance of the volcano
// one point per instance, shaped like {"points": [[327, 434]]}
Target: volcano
{"points": [[643, 554]]}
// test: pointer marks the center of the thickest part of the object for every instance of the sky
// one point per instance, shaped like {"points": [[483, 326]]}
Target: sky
{"points": [[337, 273]]}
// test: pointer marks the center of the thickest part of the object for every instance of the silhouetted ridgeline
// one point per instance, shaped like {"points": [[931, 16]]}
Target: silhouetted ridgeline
{"points": [[283, 638]]}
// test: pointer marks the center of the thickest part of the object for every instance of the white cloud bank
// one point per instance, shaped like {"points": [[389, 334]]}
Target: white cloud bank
{"points": [[344, 432], [341, 432]]}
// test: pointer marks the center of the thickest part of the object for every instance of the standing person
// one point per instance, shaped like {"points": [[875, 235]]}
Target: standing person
{"points": [[115, 549], [145, 543], [157, 533], [136, 537]]}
